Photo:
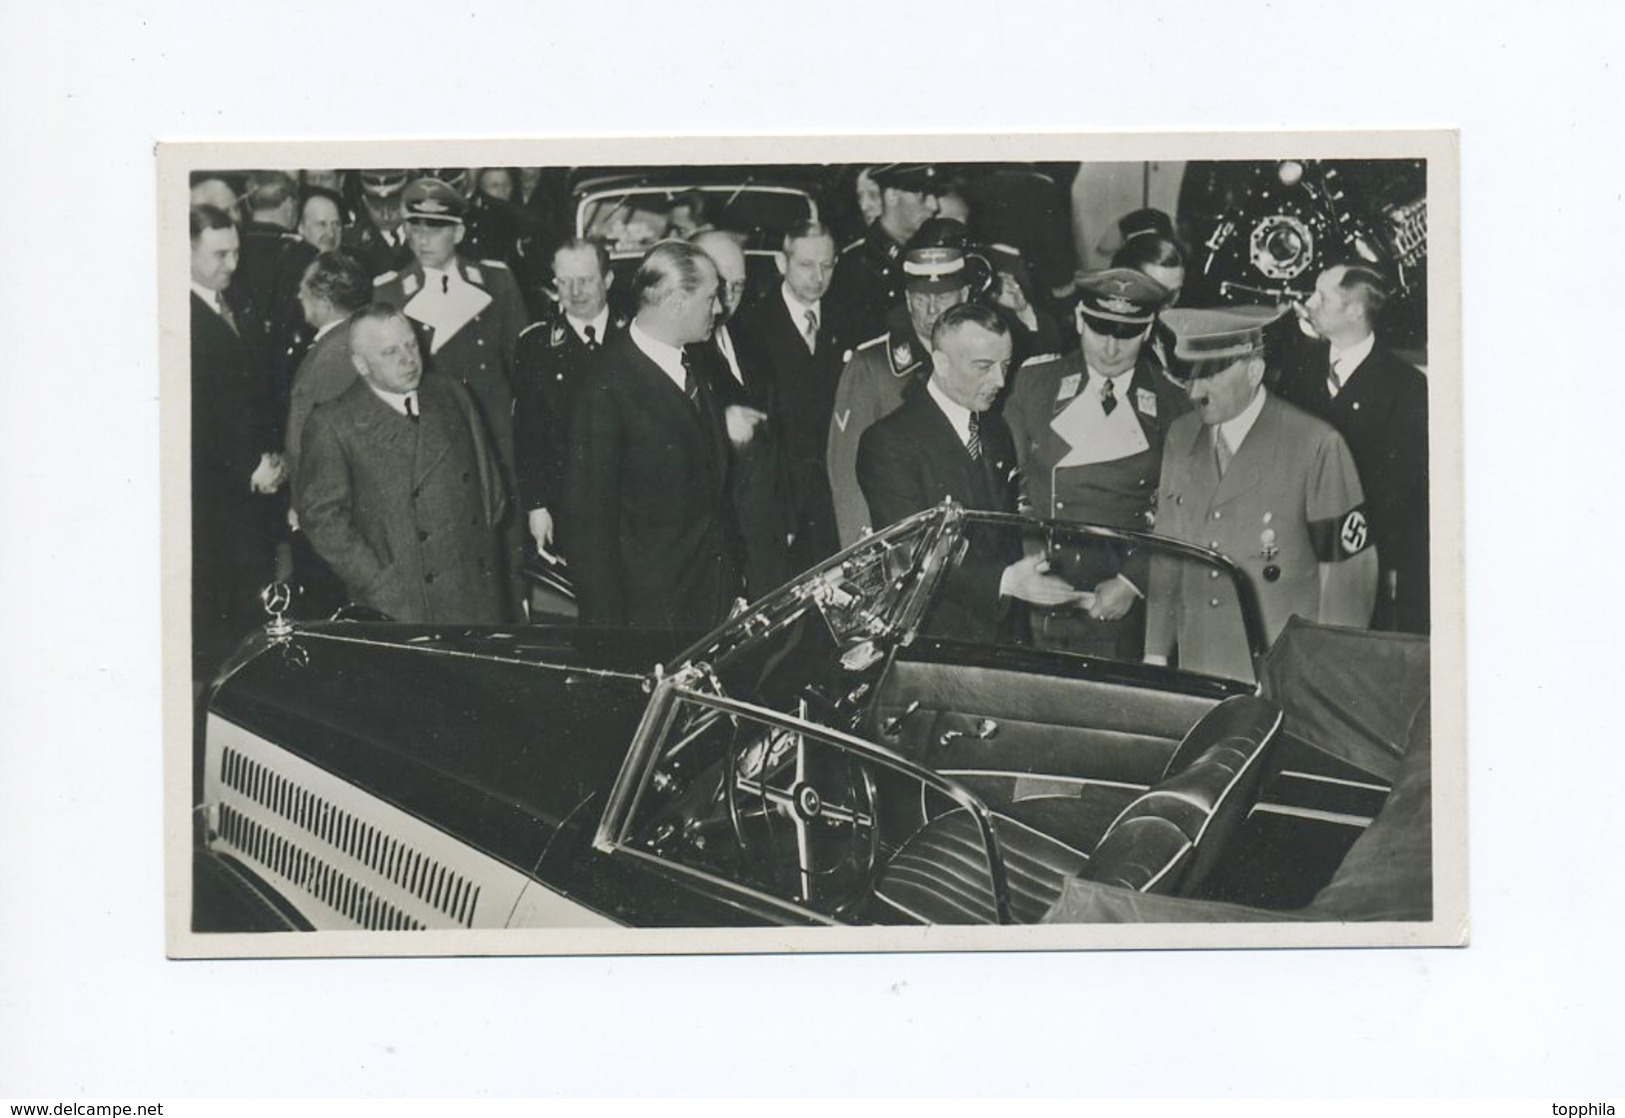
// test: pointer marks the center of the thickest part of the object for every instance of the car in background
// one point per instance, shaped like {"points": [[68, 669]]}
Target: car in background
{"points": [[631, 210], [831, 755]]}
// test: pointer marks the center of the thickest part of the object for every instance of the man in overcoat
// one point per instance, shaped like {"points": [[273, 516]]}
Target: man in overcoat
{"points": [[399, 490]]}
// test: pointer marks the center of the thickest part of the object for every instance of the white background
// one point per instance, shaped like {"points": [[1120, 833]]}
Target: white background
{"points": [[90, 1007]]}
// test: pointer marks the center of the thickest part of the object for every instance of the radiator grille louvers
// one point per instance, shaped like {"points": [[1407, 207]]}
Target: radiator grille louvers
{"points": [[392, 859], [333, 887]]}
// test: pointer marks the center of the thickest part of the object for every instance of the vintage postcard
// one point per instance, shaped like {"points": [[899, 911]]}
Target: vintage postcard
{"points": [[1022, 542]]}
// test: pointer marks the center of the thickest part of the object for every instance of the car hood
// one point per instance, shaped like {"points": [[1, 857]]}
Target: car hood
{"points": [[496, 737]]}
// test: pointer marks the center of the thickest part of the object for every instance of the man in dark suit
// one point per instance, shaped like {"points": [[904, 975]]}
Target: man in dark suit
{"points": [[943, 442], [399, 490], [1379, 404], [737, 372], [1089, 428], [648, 527], [333, 288], [550, 365], [236, 464], [803, 347]]}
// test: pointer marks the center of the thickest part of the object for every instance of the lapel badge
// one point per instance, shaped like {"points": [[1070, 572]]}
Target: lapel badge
{"points": [[1069, 387], [1146, 401], [1267, 547], [411, 284], [556, 338]]}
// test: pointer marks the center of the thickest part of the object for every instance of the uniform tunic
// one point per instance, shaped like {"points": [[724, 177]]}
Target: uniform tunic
{"points": [[1116, 493], [871, 387], [1292, 477], [868, 282]]}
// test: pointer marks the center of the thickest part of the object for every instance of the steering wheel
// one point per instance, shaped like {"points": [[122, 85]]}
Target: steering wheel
{"points": [[804, 811]]}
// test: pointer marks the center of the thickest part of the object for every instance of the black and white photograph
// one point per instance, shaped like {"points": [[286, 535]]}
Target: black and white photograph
{"points": [[637, 547]]}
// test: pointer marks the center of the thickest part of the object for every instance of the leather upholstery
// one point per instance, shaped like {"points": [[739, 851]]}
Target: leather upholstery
{"points": [[1166, 839]]}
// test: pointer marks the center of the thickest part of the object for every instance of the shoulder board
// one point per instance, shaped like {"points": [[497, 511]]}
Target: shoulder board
{"points": [[857, 244], [294, 237], [872, 342], [387, 277], [494, 264], [1040, 359]]}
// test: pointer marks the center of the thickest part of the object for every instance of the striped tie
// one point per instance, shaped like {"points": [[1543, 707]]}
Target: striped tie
{"points": [[973, 439], [1221, 450]]}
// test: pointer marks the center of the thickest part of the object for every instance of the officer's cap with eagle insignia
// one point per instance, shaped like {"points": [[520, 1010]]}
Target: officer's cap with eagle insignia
{"points": [[938, 258], [432, 200], [1118, 297], [1214, 334]]}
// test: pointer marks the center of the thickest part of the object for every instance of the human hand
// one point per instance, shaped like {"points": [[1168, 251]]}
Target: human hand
{"points": [[269, 475], [540, 523], [1030, 580], [1113, 598], [742, 423]]}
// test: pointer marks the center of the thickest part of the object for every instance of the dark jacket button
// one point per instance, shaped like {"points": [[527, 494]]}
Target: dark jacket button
{"points": [[429, 577]]}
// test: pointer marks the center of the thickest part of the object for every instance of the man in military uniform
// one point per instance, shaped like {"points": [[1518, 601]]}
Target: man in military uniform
{"points": [[1263, 482], [468, 316], [468, 313], [937, 276], [868, 281], [1089, 430], [274, 259], [550, 363], [376, 236], [1379, 403]]}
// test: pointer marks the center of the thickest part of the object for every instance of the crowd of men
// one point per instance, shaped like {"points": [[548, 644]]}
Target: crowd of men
{"points": [[397, 405]]}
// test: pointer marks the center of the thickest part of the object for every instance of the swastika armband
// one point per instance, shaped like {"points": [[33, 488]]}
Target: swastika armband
{"points": [[1340, 537]]}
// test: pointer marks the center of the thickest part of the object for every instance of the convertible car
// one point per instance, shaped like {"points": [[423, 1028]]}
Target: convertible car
{"points": [[836, 754]]}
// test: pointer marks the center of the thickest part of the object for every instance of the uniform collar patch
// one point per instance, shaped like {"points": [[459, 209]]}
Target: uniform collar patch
{"points": [[411, 283]]}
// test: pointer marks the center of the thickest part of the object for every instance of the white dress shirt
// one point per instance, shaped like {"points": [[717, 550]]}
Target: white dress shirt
{"points": [[958, 415], [668, 357], [1345, 361], [798, 310], [396, 400], [1235, 430], [599, 325]]}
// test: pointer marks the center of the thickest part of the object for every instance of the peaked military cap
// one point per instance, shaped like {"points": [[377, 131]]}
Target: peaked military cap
{"points": [[1148, 220], [1218, 333], [1120, 295], [432, 200], [383, 184], [922, 178]]}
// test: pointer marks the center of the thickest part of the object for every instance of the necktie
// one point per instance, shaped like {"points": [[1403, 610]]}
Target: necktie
{"points": [[592, 336], [445, 285], [1334, 379], [1221, 450], [691, 386], [973, 439], [1108, 397], [225, 312], [412, 406], [812, 331]]}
